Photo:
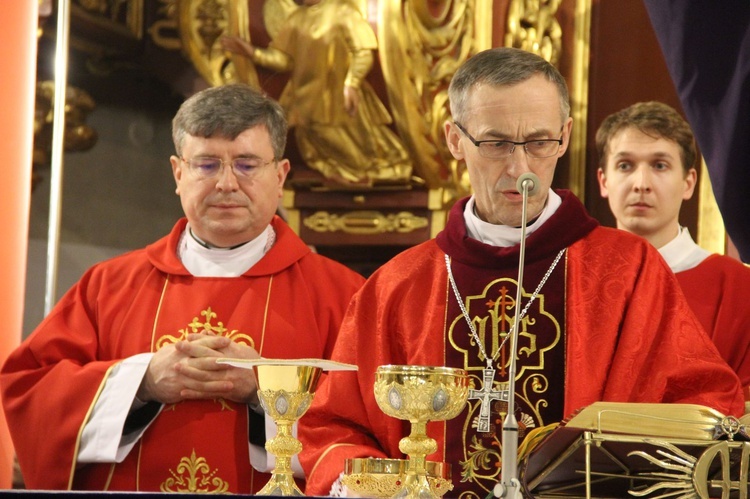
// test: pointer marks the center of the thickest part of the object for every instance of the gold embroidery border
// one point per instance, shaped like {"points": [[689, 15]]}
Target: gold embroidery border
{"points": [[85, 420]]}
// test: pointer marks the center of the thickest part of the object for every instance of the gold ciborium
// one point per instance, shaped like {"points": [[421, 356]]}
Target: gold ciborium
{"points": [[285, 390], [420, 394], [383, 478]]}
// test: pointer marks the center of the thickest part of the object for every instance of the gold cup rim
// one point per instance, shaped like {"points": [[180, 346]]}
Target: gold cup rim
{"points": [[373, 465], [394, 369]]}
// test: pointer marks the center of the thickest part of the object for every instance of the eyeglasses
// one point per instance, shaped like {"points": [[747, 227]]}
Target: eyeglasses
{"points": [[208, 167], [498, 149]]}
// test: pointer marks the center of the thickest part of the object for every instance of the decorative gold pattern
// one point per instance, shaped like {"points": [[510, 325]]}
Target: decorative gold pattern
{"points": [[206, 326], [422, 43], [679, 454], [194, 475], [285, 392], [532, 26], [365, 222], [420, 394], [492, 313], [375, 477], [195, 26]]}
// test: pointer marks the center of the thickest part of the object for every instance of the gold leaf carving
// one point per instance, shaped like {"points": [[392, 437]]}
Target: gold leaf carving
{"points": [[365, 222]]}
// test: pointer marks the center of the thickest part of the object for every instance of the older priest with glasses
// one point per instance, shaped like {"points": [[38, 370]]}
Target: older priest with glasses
{"points": [[603, 318], [118, 388]]}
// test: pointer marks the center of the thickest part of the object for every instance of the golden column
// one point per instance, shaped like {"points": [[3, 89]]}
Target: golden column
{"points": [[18, 25]]}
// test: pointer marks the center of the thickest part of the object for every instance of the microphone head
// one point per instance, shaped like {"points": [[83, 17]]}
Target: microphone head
{"points": [[531, 181]]}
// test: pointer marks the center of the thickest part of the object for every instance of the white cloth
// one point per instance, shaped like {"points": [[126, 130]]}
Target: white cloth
{"points": [[214, 262], [504, 235], [681, 253], [102, 439]]}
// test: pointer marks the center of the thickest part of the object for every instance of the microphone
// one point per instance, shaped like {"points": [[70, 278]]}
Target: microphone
{"points": [[529, 180], [509, 486]]}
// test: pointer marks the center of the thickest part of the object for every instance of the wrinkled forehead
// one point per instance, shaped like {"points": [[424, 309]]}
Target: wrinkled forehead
{"points": [[536, 97]]}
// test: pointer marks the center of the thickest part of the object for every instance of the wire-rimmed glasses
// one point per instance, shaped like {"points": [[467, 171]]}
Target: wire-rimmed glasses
{"points": [[209, 167], [498, 149]]}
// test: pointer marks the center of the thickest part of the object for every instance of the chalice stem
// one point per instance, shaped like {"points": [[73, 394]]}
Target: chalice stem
{"points": [[417, 446], [284, 445]]}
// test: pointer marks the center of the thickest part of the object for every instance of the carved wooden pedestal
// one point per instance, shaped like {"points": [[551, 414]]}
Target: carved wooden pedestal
{"points": [[365, 228]]}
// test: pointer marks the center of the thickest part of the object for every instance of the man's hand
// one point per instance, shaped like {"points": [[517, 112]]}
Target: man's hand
{"points": [[188, 370]]}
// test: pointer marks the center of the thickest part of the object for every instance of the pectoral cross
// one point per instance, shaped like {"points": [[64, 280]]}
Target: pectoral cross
{"points": [[486, 395]]}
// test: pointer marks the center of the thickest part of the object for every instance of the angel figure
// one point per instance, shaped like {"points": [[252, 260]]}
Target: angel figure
{"points": [[341, 126]]}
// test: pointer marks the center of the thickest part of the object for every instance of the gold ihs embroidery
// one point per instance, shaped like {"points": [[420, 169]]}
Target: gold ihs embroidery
{"points": [[206, 326], [194, 475], [492, 312]]}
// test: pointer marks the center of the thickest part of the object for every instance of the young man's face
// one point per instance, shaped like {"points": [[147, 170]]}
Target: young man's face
{"points": [[645, 183]]}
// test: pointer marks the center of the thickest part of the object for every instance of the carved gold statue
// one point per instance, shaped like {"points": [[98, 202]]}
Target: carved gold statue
{"points": [[340, 124]]}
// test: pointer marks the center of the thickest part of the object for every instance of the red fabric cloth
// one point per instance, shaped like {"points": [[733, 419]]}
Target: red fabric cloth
{"points": [[289, 305], [629, 333], [716, 291]]}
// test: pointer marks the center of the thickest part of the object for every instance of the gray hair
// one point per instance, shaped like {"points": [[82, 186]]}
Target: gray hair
{"points": [[227, 111], [502, 66]]}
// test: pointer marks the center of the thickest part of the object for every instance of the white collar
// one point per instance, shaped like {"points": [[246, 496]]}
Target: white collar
{"points": [[504, 235], [204, 262], [681, 253]]}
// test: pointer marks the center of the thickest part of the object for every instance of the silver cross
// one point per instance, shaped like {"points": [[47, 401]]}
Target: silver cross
{"points": [[486, 395]]}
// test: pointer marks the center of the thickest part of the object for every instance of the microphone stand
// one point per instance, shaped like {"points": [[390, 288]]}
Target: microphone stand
{"points": [[509, 486]]}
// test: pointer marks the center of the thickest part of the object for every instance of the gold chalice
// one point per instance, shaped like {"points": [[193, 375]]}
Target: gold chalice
{"points": [[420, 394], [285, 390], [383, 478]]}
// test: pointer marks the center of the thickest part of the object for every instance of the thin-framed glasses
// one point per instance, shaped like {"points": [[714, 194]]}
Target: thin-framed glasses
{"points": [[209, 167], [498, 149]]}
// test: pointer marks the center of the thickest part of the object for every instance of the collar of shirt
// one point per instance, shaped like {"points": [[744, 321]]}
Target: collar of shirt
{"points": [[204, 262], [681, 253], [504, 235]]}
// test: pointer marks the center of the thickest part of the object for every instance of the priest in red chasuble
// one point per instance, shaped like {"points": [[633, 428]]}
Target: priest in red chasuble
{"points": [[603, 318], [118, 389]]}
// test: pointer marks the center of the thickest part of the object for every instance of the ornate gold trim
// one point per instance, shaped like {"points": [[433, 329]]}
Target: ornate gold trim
{"points": [[365, 222], [711, 234], [194, 474], [85, 422], [579, 97]]}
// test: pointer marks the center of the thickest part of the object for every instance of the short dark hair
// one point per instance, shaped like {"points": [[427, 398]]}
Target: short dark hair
{"points": [[227, 111], [654, 119], [502, 66]]}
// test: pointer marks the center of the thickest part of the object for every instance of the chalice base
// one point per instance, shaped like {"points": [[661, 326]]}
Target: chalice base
{"points": [[416, 487], [280, 484]]}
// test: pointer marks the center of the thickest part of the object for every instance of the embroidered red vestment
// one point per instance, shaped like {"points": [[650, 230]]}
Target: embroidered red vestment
{"points": [[286, 306], [625, 329]]}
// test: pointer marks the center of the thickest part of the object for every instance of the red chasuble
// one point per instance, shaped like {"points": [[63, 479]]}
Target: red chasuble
{"points": [[716, 290], [289, 305], [610, 324]]}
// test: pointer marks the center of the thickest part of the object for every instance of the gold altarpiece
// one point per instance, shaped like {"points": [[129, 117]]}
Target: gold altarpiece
{"points": [[420, 43]]}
